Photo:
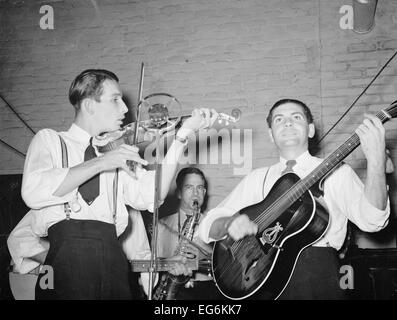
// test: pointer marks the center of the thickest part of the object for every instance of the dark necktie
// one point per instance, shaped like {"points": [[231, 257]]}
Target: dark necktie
{"points": [[290, 164], [89, 190]]}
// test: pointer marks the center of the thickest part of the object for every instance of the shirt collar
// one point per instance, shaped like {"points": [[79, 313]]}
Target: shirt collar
{"points": [[79, 134], [302, 161], [183, 213]]}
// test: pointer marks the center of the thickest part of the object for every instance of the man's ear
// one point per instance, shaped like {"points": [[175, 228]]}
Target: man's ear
{"points": [[312, 130], [271, 135], [88, 106]]}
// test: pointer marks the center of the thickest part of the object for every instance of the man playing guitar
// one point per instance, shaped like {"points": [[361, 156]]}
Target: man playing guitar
{"points": [[316, 272]]}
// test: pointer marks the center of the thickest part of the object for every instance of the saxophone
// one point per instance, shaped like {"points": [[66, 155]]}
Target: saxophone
{"points": [[169, 284]]}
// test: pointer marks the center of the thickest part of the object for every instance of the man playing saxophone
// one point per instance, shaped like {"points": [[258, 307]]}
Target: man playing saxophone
{"points": [[175, 233]]}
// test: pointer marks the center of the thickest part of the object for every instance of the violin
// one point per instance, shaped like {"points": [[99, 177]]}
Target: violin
{"points": [[126, 135], [159, 122]]}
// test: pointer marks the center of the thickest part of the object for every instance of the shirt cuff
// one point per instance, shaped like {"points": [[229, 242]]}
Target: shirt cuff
{"points": [[375, 219], [23, 264]]}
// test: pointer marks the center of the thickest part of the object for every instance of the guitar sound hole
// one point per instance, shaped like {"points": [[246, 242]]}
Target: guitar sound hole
{"points": [[250, 267]]}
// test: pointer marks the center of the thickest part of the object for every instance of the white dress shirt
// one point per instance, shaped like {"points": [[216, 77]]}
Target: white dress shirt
{"points": [[343, 195], [43, 173]]}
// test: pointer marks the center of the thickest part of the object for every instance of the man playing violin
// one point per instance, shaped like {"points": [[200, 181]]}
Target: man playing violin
{"points": [[84, 252], [316, 273]]}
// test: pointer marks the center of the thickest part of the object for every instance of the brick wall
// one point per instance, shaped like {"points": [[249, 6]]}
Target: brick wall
{"points": [[208, 53]]}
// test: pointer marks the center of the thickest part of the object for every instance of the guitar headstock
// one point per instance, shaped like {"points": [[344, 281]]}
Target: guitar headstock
{"points": [[392, 109]]}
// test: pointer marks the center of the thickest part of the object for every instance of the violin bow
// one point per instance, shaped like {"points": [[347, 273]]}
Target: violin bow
{"points": [[360, 95], [138, 108]]}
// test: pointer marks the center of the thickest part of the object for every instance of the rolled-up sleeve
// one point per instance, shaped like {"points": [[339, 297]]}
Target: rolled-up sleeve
{"points": [[349, 195], [208, 220], [43, 172], [373, 219]]}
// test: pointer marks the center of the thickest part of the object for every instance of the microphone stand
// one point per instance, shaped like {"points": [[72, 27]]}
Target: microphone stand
{"points": [[157, 189], [157, 195]]}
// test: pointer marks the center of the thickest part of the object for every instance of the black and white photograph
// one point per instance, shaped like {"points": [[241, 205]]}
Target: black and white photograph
{"points": [[212, 153]]}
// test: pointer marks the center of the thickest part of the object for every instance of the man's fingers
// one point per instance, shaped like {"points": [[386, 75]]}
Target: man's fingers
{"points": [[181, 269], [373, 121], [242, 226], [135, 158], [127, 169], [131, 153], [361, 130], [138, 159]]}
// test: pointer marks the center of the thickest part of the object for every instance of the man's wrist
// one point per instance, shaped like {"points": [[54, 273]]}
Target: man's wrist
{"points": [[184, 133], [227, 223], [180, 139], [376, 167], [98, 165]]}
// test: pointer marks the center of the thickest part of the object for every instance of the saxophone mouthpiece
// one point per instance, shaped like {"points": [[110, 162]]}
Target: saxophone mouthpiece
{"points": [[195, 204]]}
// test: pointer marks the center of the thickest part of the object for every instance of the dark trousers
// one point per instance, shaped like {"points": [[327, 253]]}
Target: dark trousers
{"points": [[316, 276], [87, 262]]}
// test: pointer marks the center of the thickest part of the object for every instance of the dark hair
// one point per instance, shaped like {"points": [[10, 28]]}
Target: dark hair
{"points": [[184, 172], [89, 84], [305, 108]]}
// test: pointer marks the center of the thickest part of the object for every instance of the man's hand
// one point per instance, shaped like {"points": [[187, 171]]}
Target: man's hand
{"points": [[189, 251], [180, 268], [117, 158], [201, 119], [240, 227], [372, 137]]}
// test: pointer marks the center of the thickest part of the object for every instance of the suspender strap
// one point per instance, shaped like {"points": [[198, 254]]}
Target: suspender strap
{"points": [[115, 183], [65, 165], [115, 189]]}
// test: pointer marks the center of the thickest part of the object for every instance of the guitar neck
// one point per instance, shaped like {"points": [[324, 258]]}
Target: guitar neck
{"points": [[332, 161]]}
